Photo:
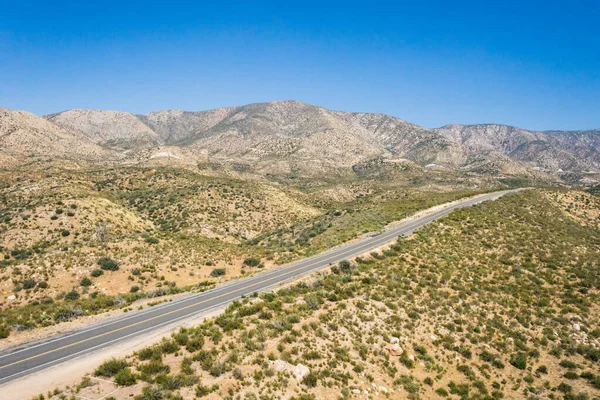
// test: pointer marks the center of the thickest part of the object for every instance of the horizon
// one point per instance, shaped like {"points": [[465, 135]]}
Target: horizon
{"points": [[434, 64], [315, 105]]}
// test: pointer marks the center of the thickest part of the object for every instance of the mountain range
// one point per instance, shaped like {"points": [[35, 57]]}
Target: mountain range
{"points": [[291, 137]]}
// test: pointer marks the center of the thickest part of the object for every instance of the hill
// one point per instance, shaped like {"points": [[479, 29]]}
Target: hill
{"points": [[291, 138]]}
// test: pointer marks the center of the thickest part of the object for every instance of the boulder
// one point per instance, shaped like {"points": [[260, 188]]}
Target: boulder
{"points": [[394, 340], [395, 350], [300, 371], [282, 366]]}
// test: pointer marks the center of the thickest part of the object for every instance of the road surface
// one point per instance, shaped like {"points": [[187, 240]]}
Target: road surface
{"points": [[21, 361]]}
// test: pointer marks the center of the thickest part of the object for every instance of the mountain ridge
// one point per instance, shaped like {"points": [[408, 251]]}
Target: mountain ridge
{"points": [[290, 136]]}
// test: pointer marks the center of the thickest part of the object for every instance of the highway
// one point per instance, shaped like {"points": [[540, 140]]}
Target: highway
{"points": [[24, 360]]}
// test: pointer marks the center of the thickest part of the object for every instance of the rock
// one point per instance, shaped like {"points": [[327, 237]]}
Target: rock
{"points": [[383, 389], [394, 340], [577, 327], [300, 371], [433, 337], [355, 391], [411, 357], [282, 366], [395, 350], [11, 297]]}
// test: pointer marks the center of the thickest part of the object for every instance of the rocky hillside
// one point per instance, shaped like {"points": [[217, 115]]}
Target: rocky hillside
{"points": [[555, 151], [295, 138], [26, 138], [276, 137]]}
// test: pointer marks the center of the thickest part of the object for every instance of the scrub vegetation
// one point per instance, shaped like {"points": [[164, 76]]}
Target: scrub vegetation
{"points": [[500, 300], [78, 243]]}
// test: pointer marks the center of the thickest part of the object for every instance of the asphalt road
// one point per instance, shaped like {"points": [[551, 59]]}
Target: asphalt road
{"points": [[18, 362]]}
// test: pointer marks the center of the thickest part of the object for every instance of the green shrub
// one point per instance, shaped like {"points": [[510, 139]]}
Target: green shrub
{"points": [[252, 261], [4, 331], [125, 377], [86, 282], [154, 367], [151, 240], [96, 273], [218, 272], [310, 379], [519, 361], [28, 283], [571, 375], [111, 367], [72, 295], [108, 264]]}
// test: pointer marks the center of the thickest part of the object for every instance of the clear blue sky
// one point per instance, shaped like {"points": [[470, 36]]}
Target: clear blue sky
{"points": [[534, 64]]}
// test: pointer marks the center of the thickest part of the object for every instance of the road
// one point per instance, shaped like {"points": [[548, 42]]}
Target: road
{"points": [[19, 362]]}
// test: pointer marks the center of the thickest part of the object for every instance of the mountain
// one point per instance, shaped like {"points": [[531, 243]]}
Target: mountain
{"points": [[555, 151], [25, 138], [291, 137], [275, 137], [114, 129]]}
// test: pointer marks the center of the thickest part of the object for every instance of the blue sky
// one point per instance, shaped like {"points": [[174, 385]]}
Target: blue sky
{"points": [[531, 64]]}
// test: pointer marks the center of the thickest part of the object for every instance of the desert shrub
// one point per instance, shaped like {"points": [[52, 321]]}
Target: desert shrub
{"points": [[154, 367], [151, 240], [542, 369], [519, 360], [218, 272], [571, 375], [72, 295], [568, 364], [252, 261], [67, 312], [28, 283], [152, 392], [125, 377], [96, 273], [149, 352], [310, 379], [111, 367], [86, 282], [108, 264], [4, 331], [195, 344]]}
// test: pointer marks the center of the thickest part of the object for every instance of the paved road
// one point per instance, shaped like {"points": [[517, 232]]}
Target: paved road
{"points": [[22, 361]]}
